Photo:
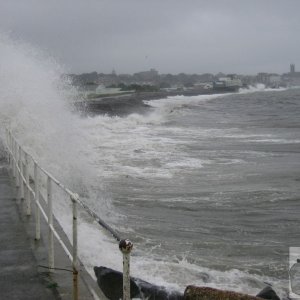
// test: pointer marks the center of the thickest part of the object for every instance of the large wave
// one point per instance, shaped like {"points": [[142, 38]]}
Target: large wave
{"points": [[36, 104]]}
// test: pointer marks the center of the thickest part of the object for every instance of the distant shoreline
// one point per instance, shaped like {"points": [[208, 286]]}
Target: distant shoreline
{"points": [[121, 105]]}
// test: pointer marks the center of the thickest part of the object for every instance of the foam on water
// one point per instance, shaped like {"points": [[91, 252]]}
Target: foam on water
{"points": [[275, 141], [173, 103], [259, 87]]}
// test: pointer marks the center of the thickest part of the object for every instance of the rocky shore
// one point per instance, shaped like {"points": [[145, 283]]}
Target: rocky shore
{"points": [[121, 105], [111, 283]]}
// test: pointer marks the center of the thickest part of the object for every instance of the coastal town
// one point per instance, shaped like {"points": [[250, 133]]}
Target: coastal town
{"points": [[114, 94], [99, 84]]}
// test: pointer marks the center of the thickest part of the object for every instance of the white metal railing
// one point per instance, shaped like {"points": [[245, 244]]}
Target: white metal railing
{"points": [[28, 188]]}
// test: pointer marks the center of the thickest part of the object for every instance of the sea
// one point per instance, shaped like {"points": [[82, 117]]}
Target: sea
{"points": [[206, 187]]}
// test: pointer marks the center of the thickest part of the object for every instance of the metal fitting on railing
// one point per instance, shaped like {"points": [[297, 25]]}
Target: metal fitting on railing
{"points": [[22, 183], [125, 247], [74, 199], [37, 202], [27, 185], [50, 225]]}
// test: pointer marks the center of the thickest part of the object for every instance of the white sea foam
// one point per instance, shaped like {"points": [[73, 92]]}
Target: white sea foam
{"points": [[34, 105], [172, 103], [176, 275], [275, 141], [259, 87], [187, 163]]}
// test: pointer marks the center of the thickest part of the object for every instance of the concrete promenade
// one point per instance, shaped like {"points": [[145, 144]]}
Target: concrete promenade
{"points": [[19, 275]]}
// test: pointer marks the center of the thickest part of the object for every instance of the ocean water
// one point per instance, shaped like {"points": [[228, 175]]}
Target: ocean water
{"points": [[209, 186], [206, 187]]}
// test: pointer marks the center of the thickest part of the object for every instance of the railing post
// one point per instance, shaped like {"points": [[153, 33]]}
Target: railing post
{"points": [[75, 250], [37, 200], [50, 225], [11, 162], [126, 246], [8, 146], [27, 191], [14, 157], [16, 163], [18, 181], [22, 183]]}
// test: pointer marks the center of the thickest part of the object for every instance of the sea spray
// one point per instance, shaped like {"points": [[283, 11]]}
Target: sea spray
{"points": [[35, 104]]}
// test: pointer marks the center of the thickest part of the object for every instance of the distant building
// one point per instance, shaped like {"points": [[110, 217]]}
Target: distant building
{"points": [[147, 76], [263, 78], [203, 85], [292, 78], [269, 79], [292, 68], [274, 80]]}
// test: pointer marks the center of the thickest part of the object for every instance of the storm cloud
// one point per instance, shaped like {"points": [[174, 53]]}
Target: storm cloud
{"points": [[171, 36]]}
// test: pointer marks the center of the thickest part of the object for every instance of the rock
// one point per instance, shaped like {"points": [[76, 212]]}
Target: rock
{"points": [[111, 283], [154, 292], [207, 293], [268, 293], [114, 106]]}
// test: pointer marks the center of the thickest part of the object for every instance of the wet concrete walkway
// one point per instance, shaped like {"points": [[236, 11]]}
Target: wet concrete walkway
{"points": [[19, 276]]}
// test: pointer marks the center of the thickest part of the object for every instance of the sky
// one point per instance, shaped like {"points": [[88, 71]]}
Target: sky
{"points": [[171, 36]]}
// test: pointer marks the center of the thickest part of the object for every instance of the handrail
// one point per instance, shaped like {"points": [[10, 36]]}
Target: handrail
{"points": [[18, 160], [73, 196]]}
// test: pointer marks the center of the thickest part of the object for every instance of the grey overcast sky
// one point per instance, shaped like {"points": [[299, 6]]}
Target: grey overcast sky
{"points": [[172, 36]]}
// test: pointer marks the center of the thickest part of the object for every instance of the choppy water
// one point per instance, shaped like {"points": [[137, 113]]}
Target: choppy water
{"points": [[213, 183], [207, 187]]}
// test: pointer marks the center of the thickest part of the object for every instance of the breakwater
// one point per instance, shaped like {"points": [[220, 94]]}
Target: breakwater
{"points": [[133, 103]]}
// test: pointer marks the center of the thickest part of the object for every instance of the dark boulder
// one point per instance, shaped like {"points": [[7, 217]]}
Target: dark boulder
{"points": [[111, 283], [207, 293], [268, 293], [154, 292], [114, 106]]}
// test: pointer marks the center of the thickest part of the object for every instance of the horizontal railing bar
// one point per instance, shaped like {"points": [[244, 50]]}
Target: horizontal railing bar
{"points": [[23, 178], [75, 197], [69, 192], [55, 232], [17, 155], [99, 220], [61, 242]]}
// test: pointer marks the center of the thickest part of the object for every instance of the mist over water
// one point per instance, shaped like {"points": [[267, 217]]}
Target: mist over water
{"points": [[205, 186], [36, 104]]}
